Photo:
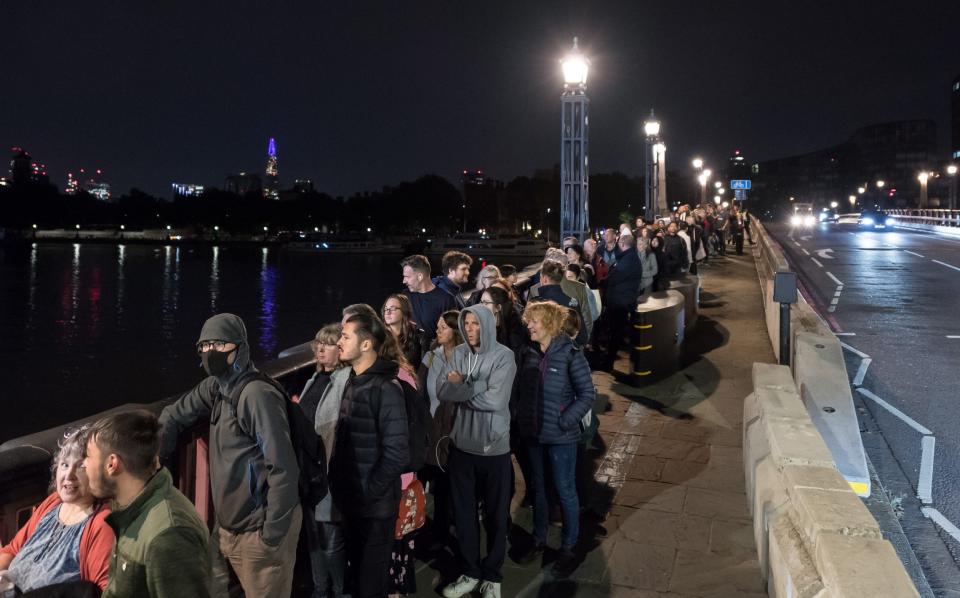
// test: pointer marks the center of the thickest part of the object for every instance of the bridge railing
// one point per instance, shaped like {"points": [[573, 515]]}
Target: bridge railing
{"points": [[928, 219]]}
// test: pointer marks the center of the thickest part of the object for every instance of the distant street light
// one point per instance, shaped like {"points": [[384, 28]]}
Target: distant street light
{"points": [[654, 197], [726, 205], [861, 190], [834, 204], [853, 201], [923, 177], [76, 226], [697, 163], [952, 171], [717, 184], [721, 190], [716, 200], [881, 183]]}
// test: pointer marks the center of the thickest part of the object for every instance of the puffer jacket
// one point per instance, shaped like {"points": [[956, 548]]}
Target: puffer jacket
{"points": [[371, 447], [624, 279], [556, 391]]}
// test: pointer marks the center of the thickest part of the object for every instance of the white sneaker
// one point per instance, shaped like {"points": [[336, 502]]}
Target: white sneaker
{"points": [[490, 589], [463, 586]]}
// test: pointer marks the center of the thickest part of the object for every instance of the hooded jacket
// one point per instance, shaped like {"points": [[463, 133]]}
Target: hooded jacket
{"points": [[371, 447], [451, 288], [482, 426], [253, 467]]}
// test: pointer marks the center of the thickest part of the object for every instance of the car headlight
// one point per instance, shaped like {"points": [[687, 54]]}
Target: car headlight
{"points": [[823, 216], [796, 220], [867, 220], [809, 221], [890, 221]]}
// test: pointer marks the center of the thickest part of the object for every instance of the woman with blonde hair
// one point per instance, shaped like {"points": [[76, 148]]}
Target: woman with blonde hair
{"points": [[486, 277], [556, 390]]}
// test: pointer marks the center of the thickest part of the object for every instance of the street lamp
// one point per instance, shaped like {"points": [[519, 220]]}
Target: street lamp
{"points": [[923, 177], [653, 158], [881, 183], [952, 171], [853, 201], [574, 191], [861, 190], [717, 184], [697, 163], [702, 177], [834, 205]]}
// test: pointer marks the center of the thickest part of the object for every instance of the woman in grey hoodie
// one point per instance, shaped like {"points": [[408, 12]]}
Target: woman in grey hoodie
{"points": [[479, 378]]}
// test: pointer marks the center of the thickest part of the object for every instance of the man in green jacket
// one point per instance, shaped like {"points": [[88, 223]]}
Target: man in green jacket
{"points": [[162, 547]]}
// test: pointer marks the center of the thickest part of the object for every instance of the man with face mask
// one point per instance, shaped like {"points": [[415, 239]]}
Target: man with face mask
{"points": [[253, 466]]}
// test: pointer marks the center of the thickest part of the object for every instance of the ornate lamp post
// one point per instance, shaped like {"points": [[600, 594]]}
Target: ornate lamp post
{"points": [[574, 164], [655, 198]]}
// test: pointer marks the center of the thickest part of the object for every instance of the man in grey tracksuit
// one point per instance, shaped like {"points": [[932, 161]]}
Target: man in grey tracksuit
{"points": [[253, 466], [479, 377]]}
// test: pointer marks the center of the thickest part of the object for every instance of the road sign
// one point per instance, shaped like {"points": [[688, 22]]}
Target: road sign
{"points": [[741, 184]]}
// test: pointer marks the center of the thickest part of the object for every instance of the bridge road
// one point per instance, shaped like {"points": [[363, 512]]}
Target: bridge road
{"points": [[894, 298]]}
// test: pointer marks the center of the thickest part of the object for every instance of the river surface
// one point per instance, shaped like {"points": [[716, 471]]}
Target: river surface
{"points": [[85, 327]]}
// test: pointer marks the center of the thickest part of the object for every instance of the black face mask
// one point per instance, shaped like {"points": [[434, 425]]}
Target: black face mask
{"points": [[215, 362]]}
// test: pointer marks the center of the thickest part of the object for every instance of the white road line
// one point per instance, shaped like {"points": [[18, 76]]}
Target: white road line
{"points": [[834, 278], [925, 482], [859, 354], [953, 336], [816, 262], [805, 251], [862, 371], [796, 243], [943, 522], [839, 290], [945, 264], [903, 416], [845, 333], [912, 252], [832, 308], [834, 301]]}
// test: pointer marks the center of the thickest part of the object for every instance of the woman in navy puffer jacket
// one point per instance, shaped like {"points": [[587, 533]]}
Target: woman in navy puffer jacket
{"points": [[556, 391]]}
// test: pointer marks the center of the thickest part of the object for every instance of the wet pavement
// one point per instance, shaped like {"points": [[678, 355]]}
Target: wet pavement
{"points": [[892, 296]]}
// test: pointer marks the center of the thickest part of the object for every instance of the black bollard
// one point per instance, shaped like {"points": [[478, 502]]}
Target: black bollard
{"points": [[785, 293]]}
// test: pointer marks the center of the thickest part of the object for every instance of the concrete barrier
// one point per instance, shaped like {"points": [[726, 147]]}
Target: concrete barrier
{"points": [[818, 369], [657, 327], [814, 536]]}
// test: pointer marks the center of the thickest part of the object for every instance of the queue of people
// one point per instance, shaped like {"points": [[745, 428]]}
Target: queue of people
{"points": [[439, 392]]}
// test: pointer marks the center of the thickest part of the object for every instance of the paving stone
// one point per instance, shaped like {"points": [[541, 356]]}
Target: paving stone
{"points": [[641, 566], [644, 468], [710, 503], [670, 448], [732, 538], [681, 531], [701, 573], [724, 478], [640, 494]]}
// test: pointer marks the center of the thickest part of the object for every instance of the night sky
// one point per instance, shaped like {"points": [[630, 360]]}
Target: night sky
{"points": [[361, 94]]}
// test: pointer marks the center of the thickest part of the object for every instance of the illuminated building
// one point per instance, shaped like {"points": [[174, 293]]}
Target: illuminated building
{"points": [[272, 187], [303, 186], [73, 185], [187, 190], [22, 167], [99, 190]]}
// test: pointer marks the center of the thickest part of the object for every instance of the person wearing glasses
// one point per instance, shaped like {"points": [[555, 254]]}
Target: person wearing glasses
{"points": [[487, 276], [67, 539], [398, 316], [253, 467]]}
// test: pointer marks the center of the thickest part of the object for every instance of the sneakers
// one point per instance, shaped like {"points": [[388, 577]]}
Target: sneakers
{"points": [[565, 564], [490, 589], [532, 554], [463, 586]]}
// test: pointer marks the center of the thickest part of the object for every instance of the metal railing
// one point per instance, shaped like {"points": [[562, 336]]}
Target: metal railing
{"points": [[926, 217]]}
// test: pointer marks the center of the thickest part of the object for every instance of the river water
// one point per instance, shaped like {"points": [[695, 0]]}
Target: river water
{"points": [[85, 327]]}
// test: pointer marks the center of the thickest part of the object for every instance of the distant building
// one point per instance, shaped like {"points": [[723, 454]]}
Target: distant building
{"points": [[303, 186], [891, 152], [955, 118], [73, 184], [98, 189], [271, 189], [187, 190], [23, 169], [483, 203], [243, 183]]}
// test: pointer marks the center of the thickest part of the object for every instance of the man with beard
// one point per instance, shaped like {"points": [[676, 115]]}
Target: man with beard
{"points": [[254, 474], [162, 545]]}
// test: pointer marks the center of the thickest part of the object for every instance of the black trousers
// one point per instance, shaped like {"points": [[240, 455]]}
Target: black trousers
{"points": [[486, 477], [369, 547], [618, 323], [738, 242]]}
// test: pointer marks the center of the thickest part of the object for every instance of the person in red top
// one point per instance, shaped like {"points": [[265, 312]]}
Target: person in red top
{"points": [[66, 540]]}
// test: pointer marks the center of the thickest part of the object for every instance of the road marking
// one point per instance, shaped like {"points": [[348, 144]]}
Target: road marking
{"points": [[805, 251], [805, 238], [925, 482], [834, 301], [862, 371], [953, 336], [903, 416], [912, 252], [797, 243], [859, 354], [943, 522], [816, 262], [612, 470], [824, 254], [839, 290], [834, 278], [945, 264], [845, 333]]}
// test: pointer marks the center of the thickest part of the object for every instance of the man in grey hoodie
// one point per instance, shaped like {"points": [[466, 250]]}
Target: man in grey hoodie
{"points": [[479, 377], [253, 467]]}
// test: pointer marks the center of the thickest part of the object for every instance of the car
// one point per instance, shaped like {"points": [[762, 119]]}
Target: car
{"points": [[874, 220], [802, 216], [828, 215]]}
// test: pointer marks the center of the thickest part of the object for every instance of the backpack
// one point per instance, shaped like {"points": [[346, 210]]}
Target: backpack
{"points": [[307, 445], [419, 424]]}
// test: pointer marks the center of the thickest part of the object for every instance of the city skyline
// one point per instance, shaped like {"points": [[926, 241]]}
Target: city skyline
{"points": [[364, 97]]}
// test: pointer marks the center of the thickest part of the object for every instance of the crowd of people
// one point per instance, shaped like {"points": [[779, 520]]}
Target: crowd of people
{"points": [[439, 392]]}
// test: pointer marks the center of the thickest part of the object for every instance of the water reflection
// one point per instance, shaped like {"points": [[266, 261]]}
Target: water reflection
{"points": [[170, 297], [32, 288], [214, 286], [268, 304], [121, 279]]}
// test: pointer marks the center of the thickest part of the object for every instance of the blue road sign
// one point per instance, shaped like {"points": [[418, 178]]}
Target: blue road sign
{"points": [[741, 184]]}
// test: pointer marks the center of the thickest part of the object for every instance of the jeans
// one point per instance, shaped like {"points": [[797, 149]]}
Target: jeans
{"points": [[488, 478], [328, 558], [563, 466]]}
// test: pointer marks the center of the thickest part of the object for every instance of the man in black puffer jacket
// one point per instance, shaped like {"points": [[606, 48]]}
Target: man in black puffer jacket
{"points": [[623, 286], [371, 451]]}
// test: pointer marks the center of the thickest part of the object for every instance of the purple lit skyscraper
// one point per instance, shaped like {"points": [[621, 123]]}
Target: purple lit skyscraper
{"points": [[272, 187]]}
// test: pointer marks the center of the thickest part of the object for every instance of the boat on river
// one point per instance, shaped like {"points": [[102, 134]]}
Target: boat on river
{"points": [[481, 245]]}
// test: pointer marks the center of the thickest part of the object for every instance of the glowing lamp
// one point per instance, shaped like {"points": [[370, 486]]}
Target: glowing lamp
{"points": [[575, 67], [952, 169], [697, 163], [651, 128]]}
